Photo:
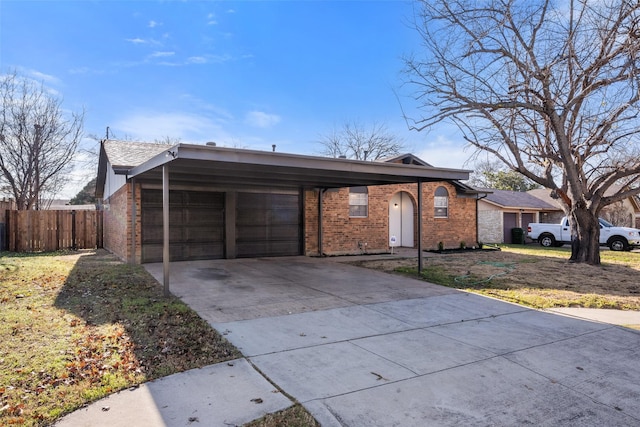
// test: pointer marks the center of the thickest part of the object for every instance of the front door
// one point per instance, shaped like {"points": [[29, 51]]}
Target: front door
{"points": [[401, 220]]}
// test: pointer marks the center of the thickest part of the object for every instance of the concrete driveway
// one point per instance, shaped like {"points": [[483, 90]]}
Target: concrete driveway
{"points": [[359, 347]]}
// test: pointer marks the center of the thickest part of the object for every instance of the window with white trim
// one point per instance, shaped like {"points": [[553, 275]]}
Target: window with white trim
{"points": [[358, 202], [441, 203]]}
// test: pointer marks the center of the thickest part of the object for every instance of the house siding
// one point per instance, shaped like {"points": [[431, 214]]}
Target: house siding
{"points": [[342, 234], [117, 220], [458, 228], [621, 214], [490, 226], [310, 212], [346, 235]]}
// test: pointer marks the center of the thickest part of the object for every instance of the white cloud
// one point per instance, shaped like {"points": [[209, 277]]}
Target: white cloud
{"points": [[47, 78], [79, 70], [189, 127], [209, 59], [445, 153], [211, 19], [261, 119], [153, 24], [197, 60], [222, 115], [161, 54], [137, 40]]}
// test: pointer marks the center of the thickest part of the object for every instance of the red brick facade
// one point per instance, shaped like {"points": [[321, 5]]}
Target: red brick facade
{"points": [[342, 234], [117, 224], [117, 220]]}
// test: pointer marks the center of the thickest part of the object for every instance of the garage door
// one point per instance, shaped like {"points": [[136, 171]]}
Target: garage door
{"points": [[510, 220], [268, 225], [196, 225]]}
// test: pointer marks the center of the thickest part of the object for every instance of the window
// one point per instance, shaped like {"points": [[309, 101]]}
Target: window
{"points": [[358, 202], [441, 203]]}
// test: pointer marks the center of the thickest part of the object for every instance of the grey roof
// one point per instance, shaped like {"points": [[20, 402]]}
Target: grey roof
{"points": [[518, 199], [127, 154], [544, 194], [407, 159], [201, 165]]}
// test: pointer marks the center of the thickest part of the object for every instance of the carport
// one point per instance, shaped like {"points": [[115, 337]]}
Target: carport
{"points": [[186, 166]]}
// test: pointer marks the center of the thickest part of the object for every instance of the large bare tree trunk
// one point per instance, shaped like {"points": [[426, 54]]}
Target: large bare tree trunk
{"points": [[585, 231]]}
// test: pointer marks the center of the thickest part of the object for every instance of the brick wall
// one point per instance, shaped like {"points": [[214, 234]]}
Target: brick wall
{"points": [[460, 226], [490, 226], [117, 223], [137, 258], [311, 223], [345, 235]]}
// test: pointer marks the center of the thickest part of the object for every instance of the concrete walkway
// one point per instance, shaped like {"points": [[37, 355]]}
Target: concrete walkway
{"points": [[613, 317], [360, 347], [225, 394]]}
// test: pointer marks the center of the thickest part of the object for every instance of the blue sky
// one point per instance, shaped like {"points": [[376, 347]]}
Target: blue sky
{"points": [[242, 73]]}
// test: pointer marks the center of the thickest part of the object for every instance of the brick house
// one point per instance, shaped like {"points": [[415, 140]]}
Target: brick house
{"points": [[501, 210], [228, 203]]}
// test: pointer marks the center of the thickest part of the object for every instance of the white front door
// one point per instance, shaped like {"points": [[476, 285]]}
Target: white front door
{"points": [[401, 220]]}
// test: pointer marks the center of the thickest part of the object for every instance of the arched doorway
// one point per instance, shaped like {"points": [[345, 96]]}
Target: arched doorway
{"points": [[401, 219]]}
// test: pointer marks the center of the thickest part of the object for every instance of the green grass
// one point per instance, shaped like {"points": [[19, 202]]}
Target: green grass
{"points": [[77, 328]]}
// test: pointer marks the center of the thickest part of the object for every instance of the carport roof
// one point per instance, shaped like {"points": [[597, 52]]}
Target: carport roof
{"points": [[209, 165]]}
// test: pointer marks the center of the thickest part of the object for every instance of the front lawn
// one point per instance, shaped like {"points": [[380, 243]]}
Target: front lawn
{"points": [[532, 275], [76, 327]]}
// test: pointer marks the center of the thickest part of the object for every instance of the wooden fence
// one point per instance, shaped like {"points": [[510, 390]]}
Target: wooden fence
{"points": [[44, 231]]}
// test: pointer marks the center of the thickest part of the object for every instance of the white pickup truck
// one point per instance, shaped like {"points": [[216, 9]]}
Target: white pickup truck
{"points": [[617, 238]]}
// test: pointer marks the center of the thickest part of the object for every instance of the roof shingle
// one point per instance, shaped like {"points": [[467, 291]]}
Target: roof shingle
{"points": [[127, 154], [518, 199]]}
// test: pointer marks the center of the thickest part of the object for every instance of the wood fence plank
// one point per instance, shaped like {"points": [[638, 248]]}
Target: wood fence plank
{"points": [[35, 231]]}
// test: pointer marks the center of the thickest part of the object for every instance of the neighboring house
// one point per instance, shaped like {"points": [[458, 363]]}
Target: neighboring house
{"points": [[502, 210], [228, 203], [64, 205], [623, 214]]}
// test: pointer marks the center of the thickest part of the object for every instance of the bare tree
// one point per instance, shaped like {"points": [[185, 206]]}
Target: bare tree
{"points": [[167, 140], [37, 139], [355, 141], [617, 214], [549, 88]]}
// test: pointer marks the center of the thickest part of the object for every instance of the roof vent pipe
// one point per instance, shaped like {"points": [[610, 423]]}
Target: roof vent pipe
{"points": [[273, 147], [211, 144], [342, 156]]}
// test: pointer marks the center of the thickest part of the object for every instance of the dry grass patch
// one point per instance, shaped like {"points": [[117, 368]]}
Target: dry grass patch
{"points": [[75, 327], [533, 276], [294, 416]]}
